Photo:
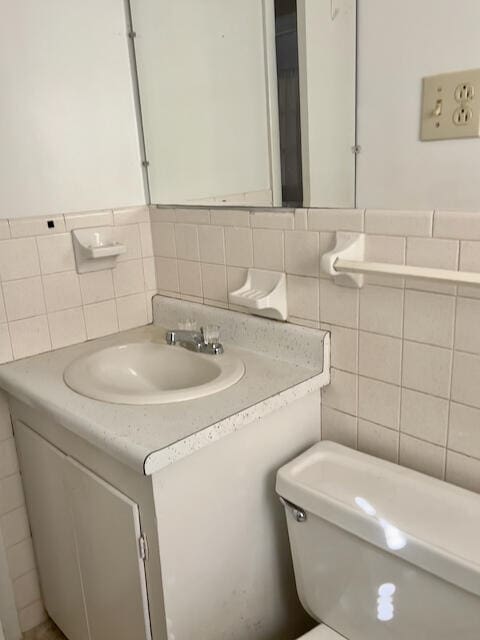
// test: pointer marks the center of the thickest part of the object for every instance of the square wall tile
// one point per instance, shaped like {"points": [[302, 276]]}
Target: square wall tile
{"points": [[190, 278], [96, 286], [268, 247], [432, 252], [24, 298], [149, 274], [338, 305], [101, 319], [30, 336], [15, 527], [467, 337], [379, 402], [18, 259], [341, 394], [427, 368], [464, 431], [163, 239], [56, 253], [463, 471], [186, 239], [377, 441], [302, 252], [470, 256], [62, 291], [3, 313], [339, 427], [380, 357], [11, 493], [429, 318], [466, 378], [132, 311], [146, 240], [236, 278], [128, 235], [67, 327], [212, 244], [422, 456], [26, 589], [32, 616], [8, 458], [344, 347], [302, 294], [239, 247], [20, 558], [167, 274], [214, 278], [128, 278], [399, 223], [5, 345], [381, 310], [424, 416]]}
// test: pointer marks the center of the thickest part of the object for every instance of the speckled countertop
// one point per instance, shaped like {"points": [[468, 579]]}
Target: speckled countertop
{"points": [[282, 362]]}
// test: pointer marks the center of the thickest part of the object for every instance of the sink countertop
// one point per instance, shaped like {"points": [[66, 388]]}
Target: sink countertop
{"points": [[283, 362]]}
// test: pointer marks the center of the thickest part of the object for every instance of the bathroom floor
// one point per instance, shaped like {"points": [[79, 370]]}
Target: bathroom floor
{"points": [[46, 631]]}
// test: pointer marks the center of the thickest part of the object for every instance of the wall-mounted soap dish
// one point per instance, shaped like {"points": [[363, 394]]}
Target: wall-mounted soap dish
{"points": [[264, 294], [95, 249]]}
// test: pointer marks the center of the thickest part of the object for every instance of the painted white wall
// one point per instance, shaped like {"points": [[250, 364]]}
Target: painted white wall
{"points": [[399, 43], [68, 130], [326, 46], [202, 70]]}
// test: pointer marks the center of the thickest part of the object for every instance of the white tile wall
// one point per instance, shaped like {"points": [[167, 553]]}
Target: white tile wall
{"points": [[405, 355], [45, 304]]}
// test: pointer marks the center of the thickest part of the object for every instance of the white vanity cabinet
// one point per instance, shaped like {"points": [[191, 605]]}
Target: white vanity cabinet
{"points": [[86, 535]]}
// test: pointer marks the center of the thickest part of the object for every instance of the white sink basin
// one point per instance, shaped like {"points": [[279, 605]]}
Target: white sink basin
{"points": [[151, 373]]}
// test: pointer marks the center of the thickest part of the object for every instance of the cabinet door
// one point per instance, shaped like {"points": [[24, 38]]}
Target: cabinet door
{"points": [[107, 530], [52, 529]]}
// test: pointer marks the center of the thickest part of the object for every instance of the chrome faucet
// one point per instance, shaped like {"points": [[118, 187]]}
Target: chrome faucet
{"points": [[207, 340]]}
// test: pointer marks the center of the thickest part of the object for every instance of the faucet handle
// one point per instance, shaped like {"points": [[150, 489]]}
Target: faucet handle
{"points": [[211, 334], [188, 324]]}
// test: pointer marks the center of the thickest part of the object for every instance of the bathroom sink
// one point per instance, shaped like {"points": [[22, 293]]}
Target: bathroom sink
{"points": [[151, 373]]}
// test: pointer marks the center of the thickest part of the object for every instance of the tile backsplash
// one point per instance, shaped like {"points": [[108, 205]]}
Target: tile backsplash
{"points": [[405, 354], [44, 305]]}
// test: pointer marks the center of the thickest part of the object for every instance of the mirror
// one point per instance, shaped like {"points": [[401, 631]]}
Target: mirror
{"points": [[248, 103]]}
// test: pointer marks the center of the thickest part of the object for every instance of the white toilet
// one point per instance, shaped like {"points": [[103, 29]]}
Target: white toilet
{"points": [[381, 552]]}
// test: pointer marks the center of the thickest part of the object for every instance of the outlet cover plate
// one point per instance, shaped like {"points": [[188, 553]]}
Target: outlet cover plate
{"points": [[451, 106]]}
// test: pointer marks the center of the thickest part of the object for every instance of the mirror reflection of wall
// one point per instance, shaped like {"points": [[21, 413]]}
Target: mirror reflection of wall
{"points": [[289, 101]]}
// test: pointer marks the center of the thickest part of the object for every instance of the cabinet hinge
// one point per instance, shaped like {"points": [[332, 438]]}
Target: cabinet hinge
{"points": [[356, 149], [145, 163], [143, 547], [132, 34]]}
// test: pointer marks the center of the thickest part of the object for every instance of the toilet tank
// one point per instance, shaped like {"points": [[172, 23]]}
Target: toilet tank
{"points": [[379, 551]]}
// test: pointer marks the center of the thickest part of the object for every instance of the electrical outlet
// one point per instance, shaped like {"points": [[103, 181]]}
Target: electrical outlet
{"points": [[451, 106]]}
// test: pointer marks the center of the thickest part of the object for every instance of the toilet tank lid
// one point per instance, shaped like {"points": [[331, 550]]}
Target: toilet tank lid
{"points": [[432, 524]]}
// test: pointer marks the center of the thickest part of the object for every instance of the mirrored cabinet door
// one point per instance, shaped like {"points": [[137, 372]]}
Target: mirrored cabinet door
{"points": [[248, 103]]}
